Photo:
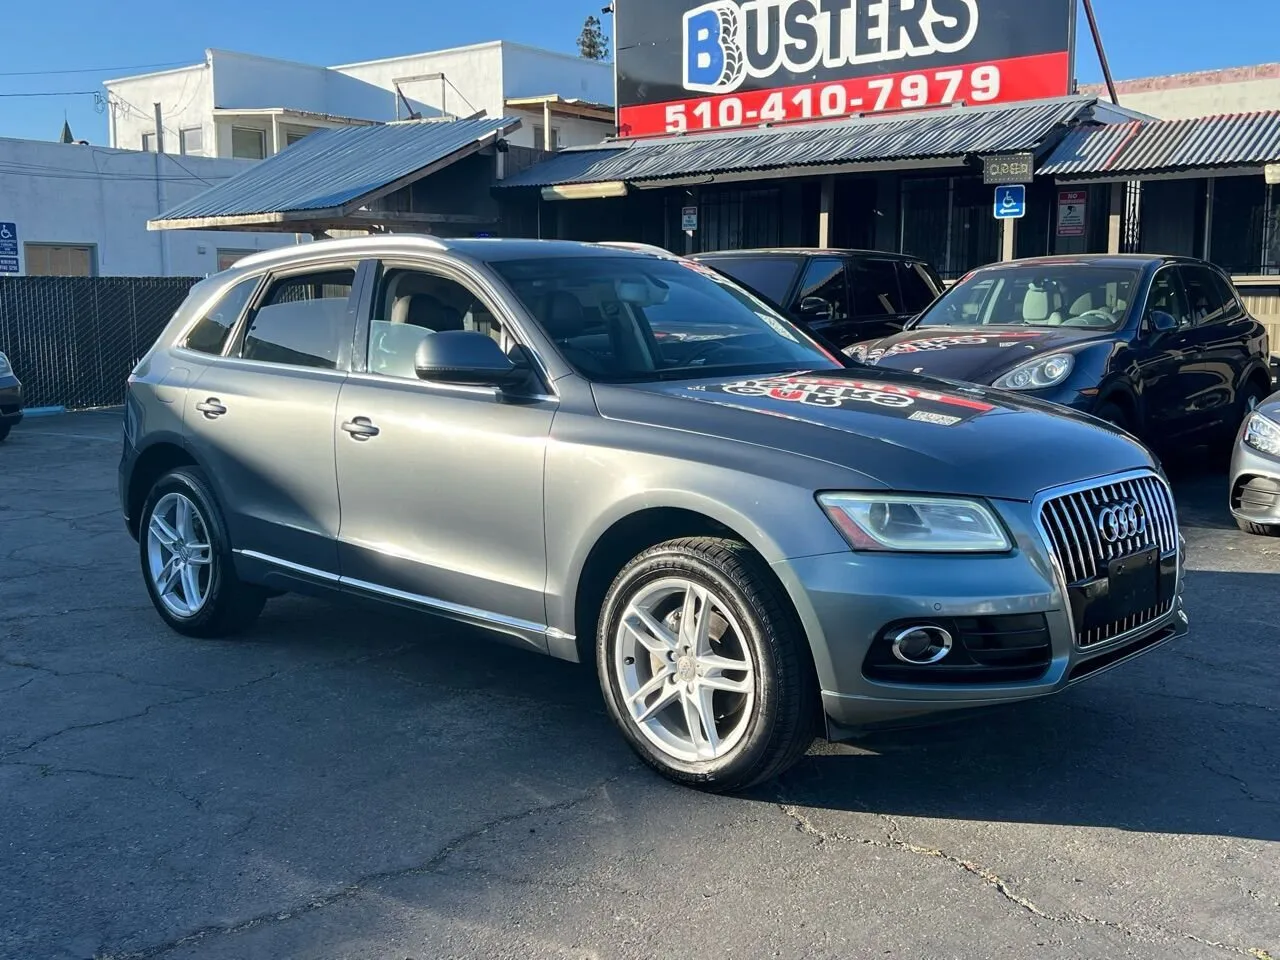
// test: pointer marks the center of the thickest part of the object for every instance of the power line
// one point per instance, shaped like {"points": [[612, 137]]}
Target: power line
{"points": [[55, 93], [134, 66]]}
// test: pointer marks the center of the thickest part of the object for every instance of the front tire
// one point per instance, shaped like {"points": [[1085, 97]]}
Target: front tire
{"points": [[187, 563], [4, 431], [704, 667]]}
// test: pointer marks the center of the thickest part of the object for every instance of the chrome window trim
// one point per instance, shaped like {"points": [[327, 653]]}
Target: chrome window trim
{"points": [[262, 365], [1046, 542], [431, 386], [456, 610]]}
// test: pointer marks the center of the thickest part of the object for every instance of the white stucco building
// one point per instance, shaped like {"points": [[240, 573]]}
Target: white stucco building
{"points": [[249, 107], [81, 210], [1184, 95]]}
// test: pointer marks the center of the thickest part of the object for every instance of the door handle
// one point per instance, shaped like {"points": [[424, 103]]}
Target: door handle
{"points": [[361, 428], [211, 408]]}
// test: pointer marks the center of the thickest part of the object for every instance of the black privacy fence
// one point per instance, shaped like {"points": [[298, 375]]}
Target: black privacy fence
{"points": [[73, 341]]}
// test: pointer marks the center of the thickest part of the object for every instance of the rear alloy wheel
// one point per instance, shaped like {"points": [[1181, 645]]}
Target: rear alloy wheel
{"points": [[186, 560], [704, 668]]}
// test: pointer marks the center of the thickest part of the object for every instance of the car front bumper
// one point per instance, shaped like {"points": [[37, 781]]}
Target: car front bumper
{"points": [[846, 600], [1255, 485], [10, 400]]}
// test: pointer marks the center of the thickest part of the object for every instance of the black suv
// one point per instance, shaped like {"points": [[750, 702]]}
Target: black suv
{"points": [[843, 296], [1160, 346]]}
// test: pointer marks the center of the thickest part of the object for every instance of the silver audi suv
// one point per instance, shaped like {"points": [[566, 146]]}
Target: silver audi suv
{"points": [[607, 455]]}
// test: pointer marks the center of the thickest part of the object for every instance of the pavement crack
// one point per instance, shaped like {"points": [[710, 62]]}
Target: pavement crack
{"points": [[51, 769], [1239, 782], [111, 721], [895, 842], [353, 888]]}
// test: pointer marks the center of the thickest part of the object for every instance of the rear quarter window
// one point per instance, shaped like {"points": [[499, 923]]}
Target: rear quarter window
{"points": [[210, 332]]}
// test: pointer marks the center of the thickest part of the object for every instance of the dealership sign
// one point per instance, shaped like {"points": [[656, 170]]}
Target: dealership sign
{"points": [[684, 65]]}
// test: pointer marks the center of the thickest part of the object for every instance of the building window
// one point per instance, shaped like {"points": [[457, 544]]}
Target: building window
{"points": [[228, 258], [149, 142], [191, 141], [248, 144], [539, 137], [293, 137], [59, 260]]}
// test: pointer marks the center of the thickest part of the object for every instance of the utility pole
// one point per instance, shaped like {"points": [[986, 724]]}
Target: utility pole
{"points": [[162, 194], [1102, 53]]}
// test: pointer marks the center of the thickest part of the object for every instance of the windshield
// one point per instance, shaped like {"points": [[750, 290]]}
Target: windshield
{"points": [[771, 277], [619, 319], [1051, 295]]}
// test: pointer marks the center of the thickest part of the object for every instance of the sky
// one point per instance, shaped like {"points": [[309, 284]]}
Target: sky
{"points": [[48, 47]]}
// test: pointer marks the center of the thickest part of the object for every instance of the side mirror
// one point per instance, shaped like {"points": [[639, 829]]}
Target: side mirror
{"points": [[815, 308], [1161, 322], [468, 358]]}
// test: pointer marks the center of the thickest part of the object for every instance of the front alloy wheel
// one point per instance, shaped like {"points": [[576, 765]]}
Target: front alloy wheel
{"points": [[704, 666], [685, 673]]}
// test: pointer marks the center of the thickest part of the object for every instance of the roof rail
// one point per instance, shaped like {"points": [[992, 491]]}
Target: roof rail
{"points": [[265, 257]]}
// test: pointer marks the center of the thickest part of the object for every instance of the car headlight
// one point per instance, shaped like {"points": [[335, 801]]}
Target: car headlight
{"points": [[5, 368], [1038, 374], [1262, 434], [877, 521]]}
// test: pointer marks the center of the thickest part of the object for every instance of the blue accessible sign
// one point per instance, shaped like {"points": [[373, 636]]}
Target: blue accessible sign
{"points": [[9, 248], [1011, 202]]}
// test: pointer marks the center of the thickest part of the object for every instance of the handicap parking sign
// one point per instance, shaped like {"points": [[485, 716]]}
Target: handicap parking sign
{"points": [[9, 248], [1011, 202]]}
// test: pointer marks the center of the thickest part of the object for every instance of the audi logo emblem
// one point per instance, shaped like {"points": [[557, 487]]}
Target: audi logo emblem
{"points": [[1122, 521]]}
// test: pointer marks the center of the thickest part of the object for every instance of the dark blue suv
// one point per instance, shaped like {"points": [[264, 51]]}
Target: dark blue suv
{"points": [[1160, 346]]}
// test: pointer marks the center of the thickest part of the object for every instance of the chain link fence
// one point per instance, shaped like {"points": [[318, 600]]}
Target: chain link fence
{"points": [[74, 340]]}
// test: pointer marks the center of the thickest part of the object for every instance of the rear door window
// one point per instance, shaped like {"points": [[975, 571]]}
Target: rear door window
{"points": [[770, 277], [303, 320], [825, 280], [873, 286], [1208, 296]]}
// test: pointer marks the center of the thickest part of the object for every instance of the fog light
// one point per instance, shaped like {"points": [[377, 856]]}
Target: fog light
{"points": [[921, 646]]}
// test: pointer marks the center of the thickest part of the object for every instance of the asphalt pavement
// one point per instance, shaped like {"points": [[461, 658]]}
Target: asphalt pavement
{"points": [[347, 783]]}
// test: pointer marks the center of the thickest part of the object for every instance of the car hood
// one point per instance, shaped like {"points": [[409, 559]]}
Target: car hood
{"points": [[974, 354], [901, 431]]}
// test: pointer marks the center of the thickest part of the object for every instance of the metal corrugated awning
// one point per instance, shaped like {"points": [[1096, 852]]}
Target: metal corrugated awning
{"points": [[329, 176], [937, 134], [1137, 149]]}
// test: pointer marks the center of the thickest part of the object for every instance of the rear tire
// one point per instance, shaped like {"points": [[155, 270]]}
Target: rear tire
{"points": [[187, 563], [4, 431], [704, 667]]}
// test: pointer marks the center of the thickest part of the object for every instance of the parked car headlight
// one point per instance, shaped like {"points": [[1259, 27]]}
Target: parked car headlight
{"points": [[1038, 374], [5, 368], [1262, 434], [875, 521]]}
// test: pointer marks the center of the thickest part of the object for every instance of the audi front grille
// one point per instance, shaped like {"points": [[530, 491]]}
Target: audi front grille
{"points": [[1090, 528]]}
